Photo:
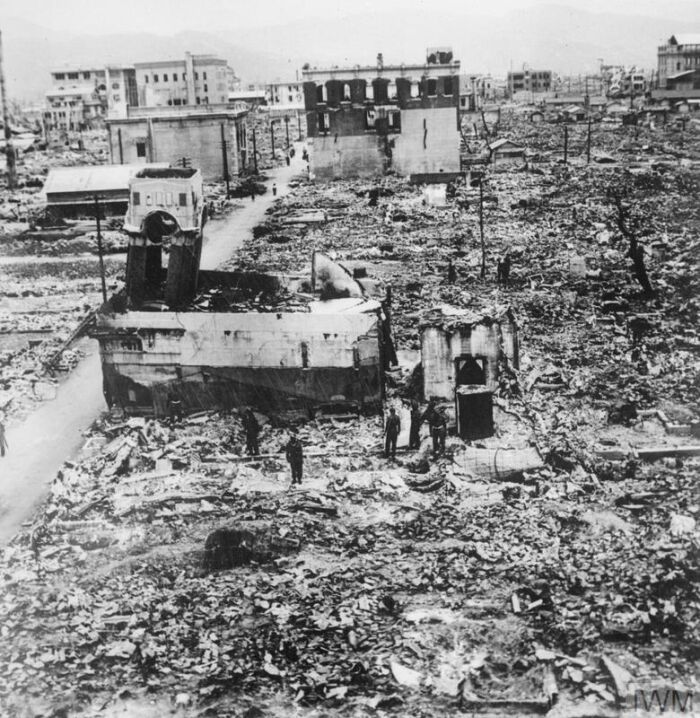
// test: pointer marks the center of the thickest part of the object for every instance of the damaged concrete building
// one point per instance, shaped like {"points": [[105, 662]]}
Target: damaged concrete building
{"points": [[365, 121], [185, 334], [463, 355], [212, 138]]}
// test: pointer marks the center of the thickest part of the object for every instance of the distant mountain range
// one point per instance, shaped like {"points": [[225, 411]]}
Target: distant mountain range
{"points": [[557, 37]]}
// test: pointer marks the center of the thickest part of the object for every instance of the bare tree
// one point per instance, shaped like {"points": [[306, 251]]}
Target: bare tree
{"points": [[628, 227]]}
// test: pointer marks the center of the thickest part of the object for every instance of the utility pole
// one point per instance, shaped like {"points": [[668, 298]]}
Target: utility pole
{"points": [[9, 149], [255, 153], [286, 127], [566, 143], [99, 250], [588, 142], [481, 226], [272, 136], [224, 155], [298, 125]]}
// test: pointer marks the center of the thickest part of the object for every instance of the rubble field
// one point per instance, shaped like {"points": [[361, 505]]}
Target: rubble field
{"points": [[168, 573]]}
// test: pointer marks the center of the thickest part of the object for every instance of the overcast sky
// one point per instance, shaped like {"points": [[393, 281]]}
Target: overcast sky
{"points": [[171, 16]]}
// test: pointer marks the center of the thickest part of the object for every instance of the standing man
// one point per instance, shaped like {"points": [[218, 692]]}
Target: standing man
{"points": [[174, 408], [295, 457], [503, 269], [392, 431], [451, 273], [252, 429], [438, 430], [416, 420], [274, 190], [3, 440]]}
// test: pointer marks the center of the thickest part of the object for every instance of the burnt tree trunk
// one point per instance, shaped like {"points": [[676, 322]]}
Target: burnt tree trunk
{"points": [[635, 250]]}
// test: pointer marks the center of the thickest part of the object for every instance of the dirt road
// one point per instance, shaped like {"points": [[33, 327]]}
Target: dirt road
{"points": [[52, 434]]}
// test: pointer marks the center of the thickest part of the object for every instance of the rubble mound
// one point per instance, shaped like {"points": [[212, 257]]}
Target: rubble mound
{"points": [[229, 547]]}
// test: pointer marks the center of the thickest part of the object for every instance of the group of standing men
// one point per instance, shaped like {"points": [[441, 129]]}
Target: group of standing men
{"points": [[293, 450], [437, 421]]}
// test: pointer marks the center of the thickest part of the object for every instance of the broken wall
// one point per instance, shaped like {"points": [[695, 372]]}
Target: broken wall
{"points": [[427, 144], [169, 139], [268, 360], [441, 348]]}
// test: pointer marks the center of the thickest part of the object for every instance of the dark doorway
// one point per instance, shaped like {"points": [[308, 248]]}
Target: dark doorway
{"points": [[474, 414], [156, 226], [470, 370]]}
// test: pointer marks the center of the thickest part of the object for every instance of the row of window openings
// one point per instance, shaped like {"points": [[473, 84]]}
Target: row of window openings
{"points": [[392, 92], [199, 100], [393, 121], [156, 78], [161, 199]]}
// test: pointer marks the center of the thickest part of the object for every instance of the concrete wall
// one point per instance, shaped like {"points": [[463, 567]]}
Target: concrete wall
{"points": [[266, 359], [351, 156], [172, 138], [428, 142], [440, 349]]}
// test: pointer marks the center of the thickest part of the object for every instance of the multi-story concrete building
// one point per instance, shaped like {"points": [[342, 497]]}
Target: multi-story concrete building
{"points": [[81, 97], [680, 54], [211, 138], [364, 121], [530, 81], [475, 90], [285, 95], [194, 80]]}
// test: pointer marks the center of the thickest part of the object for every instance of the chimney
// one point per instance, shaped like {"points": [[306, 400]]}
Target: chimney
{"points": [[380, 60]]}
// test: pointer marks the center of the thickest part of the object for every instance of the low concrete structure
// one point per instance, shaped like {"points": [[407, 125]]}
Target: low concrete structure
{"points": [[220, 359], [211, 139], [71, 191], [459, 347], [166, 210], [462, 355]]}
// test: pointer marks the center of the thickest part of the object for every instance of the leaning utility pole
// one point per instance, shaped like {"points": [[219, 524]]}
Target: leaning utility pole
{"points": [[481, 226], [588, 142], [9, 149], [255, 153], [224, 156], [99, 249]]}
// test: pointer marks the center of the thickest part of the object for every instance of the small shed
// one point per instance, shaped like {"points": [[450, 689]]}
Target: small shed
{"points": [[71, 191], [505, 152]]}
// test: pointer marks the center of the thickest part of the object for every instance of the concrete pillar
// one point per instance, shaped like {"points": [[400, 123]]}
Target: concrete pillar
{"points": [[189, 74], [136, 271]]}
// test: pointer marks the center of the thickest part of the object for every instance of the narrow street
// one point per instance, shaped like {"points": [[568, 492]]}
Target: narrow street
{"points": [[52, 434]]}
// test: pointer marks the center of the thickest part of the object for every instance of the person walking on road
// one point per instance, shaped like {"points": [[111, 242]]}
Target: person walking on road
{"points": [[392, 431], [295, 456], [252, 429], [3, 440]]}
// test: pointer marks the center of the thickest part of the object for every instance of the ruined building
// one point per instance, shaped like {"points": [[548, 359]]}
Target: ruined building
{"points": [[180, 332], [212, 138], [464, 355], [365, 121]]}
